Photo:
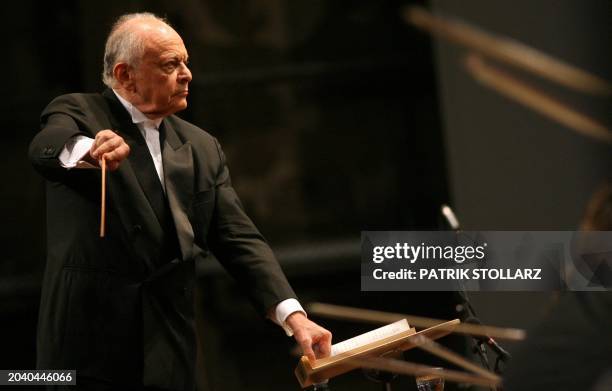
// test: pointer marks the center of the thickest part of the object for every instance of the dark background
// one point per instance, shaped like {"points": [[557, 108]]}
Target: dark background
{"points": [[336, 117]]}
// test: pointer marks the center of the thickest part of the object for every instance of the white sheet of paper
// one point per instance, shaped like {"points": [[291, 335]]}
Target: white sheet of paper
{"points": [[370, 336]]}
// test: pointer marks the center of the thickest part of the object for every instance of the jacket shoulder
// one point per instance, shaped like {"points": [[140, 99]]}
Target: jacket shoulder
{"points": [[197, 136], [190, 131], [75, 105], [205, 146]]}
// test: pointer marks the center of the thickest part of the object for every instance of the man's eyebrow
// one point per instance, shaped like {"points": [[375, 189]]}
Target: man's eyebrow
{"points": [[175, 56]]}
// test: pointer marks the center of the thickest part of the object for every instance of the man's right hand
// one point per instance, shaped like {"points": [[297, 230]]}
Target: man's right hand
{"points": [[110, 145]]}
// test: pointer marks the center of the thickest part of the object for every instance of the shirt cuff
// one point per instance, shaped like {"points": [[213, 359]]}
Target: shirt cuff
{"points": [[75, 149], [282, 312]]}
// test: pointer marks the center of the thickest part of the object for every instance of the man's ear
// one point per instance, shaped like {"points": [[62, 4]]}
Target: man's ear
{"points": [[124, 75]]}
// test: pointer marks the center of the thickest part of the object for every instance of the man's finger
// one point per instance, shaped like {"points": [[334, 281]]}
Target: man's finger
{"points": [[323, 344], [325, 347], [112, 166], [306, 344], [107, 146], [308, 352], [102, 136], [112, 157], [118, 154]]}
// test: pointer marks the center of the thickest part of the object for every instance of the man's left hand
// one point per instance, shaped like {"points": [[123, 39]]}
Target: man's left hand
{"points": [[314, 340]]}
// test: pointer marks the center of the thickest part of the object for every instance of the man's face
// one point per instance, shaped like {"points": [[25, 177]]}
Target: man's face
{"points": [[161, 79]]}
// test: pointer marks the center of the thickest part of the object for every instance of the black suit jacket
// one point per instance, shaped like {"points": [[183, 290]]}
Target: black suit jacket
{"points": [[110, 307]]}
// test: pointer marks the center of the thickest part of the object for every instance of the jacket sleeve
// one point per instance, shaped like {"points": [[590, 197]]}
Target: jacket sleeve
{"points": [[242, 249], [57, 127]]}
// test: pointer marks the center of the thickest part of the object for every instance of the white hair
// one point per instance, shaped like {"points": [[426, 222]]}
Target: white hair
{"points": [[123, 45]]}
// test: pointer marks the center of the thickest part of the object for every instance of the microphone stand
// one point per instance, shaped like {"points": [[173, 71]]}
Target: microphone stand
{"points": [[465, 308], [468, 314]]}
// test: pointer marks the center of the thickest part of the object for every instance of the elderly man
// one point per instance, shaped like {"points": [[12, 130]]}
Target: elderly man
{"points": [[119, 309]]}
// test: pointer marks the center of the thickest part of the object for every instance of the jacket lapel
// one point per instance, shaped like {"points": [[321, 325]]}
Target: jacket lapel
{"points": [[131, 201], [140, 158], [178, 177]]}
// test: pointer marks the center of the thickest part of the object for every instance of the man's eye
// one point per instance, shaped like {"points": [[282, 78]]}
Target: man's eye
{"points": [[170, 66]]}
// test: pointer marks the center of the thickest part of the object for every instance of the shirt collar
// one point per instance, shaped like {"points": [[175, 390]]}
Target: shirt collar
{"points": [[137, 116]]}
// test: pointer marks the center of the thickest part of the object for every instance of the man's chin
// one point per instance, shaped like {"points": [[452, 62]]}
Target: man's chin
{"points": [[179, 106], [181, 103]]}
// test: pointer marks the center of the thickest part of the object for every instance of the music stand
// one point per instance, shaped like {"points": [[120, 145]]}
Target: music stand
{"points": [[329, 367]]}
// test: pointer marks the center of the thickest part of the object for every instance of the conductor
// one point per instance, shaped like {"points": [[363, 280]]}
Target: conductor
{"points": [[119, 309]]}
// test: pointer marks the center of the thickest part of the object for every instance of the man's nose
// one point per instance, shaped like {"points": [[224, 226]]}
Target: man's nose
{"points": [[185, 74]]}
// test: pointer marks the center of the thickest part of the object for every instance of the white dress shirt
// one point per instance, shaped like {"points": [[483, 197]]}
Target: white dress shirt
{"points": [[78, 147]]}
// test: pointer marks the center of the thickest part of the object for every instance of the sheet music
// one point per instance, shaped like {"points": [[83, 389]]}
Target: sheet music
{"points": [[370, 336]]}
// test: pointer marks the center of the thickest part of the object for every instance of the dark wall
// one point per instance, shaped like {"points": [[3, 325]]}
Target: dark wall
{"points": [[510, 168]]}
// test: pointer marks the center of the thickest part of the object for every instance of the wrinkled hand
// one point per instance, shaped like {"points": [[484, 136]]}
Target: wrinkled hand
{"points": [[110, 145], [314, 340]]}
